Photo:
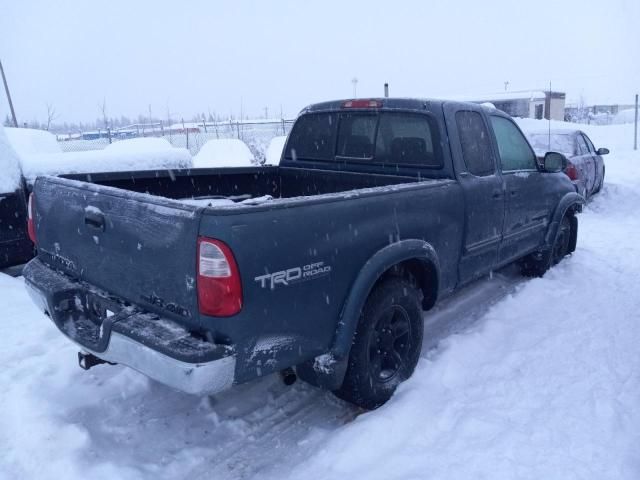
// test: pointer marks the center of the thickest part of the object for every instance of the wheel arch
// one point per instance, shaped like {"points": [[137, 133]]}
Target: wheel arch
{"points": [[413, 258], [572, 204]]}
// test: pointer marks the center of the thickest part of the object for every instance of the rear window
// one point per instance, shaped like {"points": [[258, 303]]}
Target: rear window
{"points": [[562, 143], [370, 137], [313, 137]]}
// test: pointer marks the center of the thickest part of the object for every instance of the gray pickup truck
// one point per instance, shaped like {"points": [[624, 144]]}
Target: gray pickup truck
{"points": [[203, 279]]}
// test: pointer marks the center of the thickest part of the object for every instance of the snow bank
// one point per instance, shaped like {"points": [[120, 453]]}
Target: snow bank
{"points": [[134, 154], [28, 141], [9, 165], [224, 152], [274, 150], [614, 137], [139, 145]]}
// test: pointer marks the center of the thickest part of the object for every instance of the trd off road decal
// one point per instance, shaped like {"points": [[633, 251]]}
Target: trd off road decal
{"points": [[293, 275]]}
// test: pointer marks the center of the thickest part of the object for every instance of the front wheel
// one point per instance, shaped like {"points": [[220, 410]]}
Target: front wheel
{"points": [[387, 344], [536, 264]]}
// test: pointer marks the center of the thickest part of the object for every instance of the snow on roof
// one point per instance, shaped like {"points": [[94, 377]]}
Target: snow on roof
{"points": [[28, 141], [224, 152], [274, 150], [9, 165], [501, 96]]}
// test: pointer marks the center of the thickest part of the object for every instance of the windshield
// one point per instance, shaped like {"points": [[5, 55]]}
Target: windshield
{"points": [[560, 142]]}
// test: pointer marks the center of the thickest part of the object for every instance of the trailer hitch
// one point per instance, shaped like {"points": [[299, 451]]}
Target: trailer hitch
{"points": [[88, 360]]}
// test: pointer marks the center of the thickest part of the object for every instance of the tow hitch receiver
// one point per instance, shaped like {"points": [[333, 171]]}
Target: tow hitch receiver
{"points": [[87, 360]]}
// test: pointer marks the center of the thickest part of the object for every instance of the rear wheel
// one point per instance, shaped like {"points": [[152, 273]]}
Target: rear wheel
{"points": [[387, 344], [536, 264]]}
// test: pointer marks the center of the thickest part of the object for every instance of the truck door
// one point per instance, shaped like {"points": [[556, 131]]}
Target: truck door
{"points": [[483, 189], [528, 205]]}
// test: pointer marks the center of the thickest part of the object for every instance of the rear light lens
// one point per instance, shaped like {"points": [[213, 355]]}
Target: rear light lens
{"points": [[31, 227], [219, 286], [362, 104], [571, 171]]}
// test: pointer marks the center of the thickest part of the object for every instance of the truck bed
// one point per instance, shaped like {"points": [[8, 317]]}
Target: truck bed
{"points": [[240, 186]]}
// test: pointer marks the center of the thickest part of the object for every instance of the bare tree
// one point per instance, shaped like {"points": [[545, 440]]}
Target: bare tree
{"points": [[51, 115]]}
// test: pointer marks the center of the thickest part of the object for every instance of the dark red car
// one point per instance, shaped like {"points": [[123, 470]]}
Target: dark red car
{"points": [[586, 166]]}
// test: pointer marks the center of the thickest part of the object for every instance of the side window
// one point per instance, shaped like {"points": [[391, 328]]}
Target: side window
{"points": [[592, 149], [408, 139], [582, 145], [356, 135], [515, 151], [475, 142]]}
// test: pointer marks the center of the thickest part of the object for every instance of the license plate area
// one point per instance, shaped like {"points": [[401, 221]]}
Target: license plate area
{"points": [[87, 317]]}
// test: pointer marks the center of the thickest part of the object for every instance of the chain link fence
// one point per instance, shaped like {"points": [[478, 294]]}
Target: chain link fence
{"points": [[256, 134]]}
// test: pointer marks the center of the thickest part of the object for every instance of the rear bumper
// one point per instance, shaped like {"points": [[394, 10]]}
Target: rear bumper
{"points": [[105, 327]]}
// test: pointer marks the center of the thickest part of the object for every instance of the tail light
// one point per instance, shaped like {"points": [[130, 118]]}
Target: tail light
{"points": [[219, 286], [31, 227], [571, 171]]}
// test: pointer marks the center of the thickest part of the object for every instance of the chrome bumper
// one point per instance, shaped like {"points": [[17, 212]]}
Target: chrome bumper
{"points": [[208, 376], [195, 378]]}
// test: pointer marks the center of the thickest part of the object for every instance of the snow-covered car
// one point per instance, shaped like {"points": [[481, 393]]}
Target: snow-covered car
{"points": [[585, 166]]}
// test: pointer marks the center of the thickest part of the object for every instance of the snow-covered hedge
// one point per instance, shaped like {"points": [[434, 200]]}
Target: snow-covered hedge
{"points": [[135, 154], [224, 152], [274, 151]]}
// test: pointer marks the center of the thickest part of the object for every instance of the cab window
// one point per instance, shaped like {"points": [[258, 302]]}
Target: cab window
{"points": [[515, 151]]}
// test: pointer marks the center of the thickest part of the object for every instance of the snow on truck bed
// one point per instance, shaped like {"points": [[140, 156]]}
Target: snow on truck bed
{"points": [[519, 379]]}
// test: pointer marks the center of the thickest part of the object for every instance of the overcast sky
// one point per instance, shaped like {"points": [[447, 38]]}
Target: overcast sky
{"points": [[214, 56]]}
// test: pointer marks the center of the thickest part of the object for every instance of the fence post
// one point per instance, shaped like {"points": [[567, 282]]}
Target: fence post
{"points": [[283, 130], [238, 128], [187, 132], [109, 134]]}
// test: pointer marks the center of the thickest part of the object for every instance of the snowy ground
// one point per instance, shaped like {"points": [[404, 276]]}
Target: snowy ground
{"points": [[535, 379]]}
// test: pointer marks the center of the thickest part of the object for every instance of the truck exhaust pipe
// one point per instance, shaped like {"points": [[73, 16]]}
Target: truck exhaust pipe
{"points": [[87, 360], [288, 376]]}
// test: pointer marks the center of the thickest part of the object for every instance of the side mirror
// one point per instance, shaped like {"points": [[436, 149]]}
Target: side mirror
{"points": [[554, 162], [602, 151]]}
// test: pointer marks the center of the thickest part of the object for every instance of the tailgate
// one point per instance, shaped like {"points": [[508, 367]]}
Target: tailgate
{"points": [[139, 247]]}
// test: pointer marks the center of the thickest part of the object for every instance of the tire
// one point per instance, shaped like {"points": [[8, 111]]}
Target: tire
{"points": [[387, 343], [536, 264]]}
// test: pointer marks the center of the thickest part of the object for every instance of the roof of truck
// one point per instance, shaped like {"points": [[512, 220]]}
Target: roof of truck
{"points": [[429, 104]]}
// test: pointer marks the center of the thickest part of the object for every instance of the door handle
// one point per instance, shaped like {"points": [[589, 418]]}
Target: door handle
{"points": [[497, 194]]}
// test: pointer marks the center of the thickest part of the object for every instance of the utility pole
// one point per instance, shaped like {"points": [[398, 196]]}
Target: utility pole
{"points": [[354, 80], [386, 90], [506, 85], [635, 131], [6, 89]]}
